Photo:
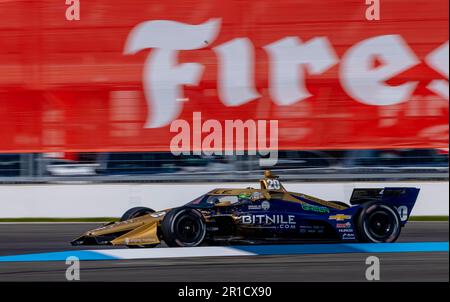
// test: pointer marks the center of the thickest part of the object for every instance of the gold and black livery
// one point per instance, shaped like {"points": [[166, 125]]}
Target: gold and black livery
{"points": [[266, 214]]}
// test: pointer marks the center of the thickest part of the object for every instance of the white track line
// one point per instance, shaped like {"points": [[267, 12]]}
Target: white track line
{"points": [[179, 252]]}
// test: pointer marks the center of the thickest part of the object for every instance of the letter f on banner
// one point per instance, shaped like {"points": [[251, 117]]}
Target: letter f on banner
{"points": [[163, 77]]}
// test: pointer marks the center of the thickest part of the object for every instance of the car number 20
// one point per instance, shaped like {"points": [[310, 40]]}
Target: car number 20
{"points": [[273, 184]]}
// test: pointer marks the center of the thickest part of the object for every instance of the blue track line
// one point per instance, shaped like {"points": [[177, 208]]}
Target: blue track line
{"points": [[343, 248], [297, 249], [56, 256]]}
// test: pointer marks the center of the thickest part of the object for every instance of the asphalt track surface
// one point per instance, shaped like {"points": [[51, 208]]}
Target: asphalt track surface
{"points": [[38, 238]]}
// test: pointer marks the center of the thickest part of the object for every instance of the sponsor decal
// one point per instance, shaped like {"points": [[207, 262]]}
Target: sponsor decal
{"points": [[158, 214], [348, 236], [345, 230], [265, 205], [318, 209], [244, 195], [339, 217], [137, 240], [282, 221], [319, 201], [344, 225], [311, 229], [254, 207]]}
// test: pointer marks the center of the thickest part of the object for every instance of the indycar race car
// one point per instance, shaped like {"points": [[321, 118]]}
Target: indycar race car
{"points": [[265, 215]]}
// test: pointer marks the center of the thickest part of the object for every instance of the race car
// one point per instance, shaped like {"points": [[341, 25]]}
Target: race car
{"points": [[262, 215]]}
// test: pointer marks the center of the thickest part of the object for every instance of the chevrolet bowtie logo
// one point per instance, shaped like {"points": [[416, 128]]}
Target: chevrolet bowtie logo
{"points": [[339, 217]]}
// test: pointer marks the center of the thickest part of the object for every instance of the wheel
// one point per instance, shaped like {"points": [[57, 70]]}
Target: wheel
{"points": [[183, 227], [378, 222], [134, 213]]}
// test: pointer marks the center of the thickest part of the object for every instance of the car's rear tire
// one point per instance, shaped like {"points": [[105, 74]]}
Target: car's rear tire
{"points": [[377, 222], [134, 213], [183, 227]]}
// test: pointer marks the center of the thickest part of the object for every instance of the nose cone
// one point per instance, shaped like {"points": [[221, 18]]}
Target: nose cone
{"points": [[79, 241]]}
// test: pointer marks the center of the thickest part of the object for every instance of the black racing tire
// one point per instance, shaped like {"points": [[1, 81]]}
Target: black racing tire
{"points": [[183, 227], [377, 222], [134, 213]]}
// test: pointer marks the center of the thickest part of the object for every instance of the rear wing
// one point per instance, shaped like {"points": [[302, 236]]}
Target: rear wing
{"points": [[403, 199]]}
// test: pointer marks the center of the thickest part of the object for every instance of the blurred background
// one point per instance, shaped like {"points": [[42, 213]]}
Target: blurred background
{"points": [[306, 165], [73, 107], [89, 90]]}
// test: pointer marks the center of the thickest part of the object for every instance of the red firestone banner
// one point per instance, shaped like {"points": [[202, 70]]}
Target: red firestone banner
{"points": [[332, 75]]}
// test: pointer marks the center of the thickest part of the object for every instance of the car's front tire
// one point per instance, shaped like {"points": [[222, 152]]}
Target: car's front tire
{"points": [[135, 213], [378, 222], [183, 227]]}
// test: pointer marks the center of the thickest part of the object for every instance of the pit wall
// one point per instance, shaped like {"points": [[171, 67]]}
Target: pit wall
{"points": [[111, 200]]}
